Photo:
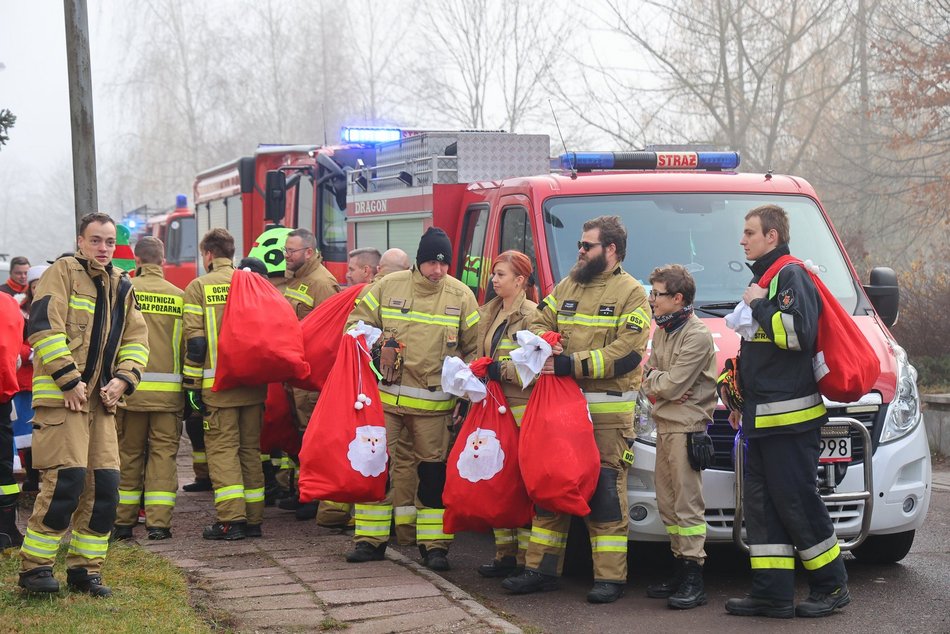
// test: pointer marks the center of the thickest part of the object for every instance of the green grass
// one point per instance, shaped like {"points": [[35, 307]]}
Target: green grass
{"points": [[149, 595]]}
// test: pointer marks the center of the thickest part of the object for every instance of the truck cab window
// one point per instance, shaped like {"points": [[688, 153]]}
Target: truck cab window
{"points": [[516, 233], [332, 227], [469, 269]]}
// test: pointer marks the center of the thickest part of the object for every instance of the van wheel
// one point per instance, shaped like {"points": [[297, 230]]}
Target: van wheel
{"points": [[884, 549]]}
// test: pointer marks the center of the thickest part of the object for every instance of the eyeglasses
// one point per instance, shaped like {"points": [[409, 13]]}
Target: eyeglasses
{"points": [[587, 246], [654, 294], [292, 251]]}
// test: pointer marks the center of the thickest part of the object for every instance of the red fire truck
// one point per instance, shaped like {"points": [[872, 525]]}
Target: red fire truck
{"points": [[176, 229], [493, 191]]}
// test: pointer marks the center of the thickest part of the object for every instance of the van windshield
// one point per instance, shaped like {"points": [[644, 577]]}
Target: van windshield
{"points": [[700, 231]]}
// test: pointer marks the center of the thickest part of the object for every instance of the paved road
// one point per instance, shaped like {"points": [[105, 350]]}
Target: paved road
{"points": [[912, 596]]}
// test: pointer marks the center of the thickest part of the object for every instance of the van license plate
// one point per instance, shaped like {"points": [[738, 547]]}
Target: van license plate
{"points": [[835, 445]]}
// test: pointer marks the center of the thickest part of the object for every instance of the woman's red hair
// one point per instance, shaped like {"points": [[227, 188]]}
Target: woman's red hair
{"points": [[520, 265]]}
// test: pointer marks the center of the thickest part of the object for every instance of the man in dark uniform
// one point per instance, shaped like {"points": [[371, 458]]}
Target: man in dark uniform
{"points": [[782, 417]]}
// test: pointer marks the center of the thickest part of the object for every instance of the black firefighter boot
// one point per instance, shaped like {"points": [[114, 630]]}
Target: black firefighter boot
{"points": [[364, 551], [80, 580], [10, 536], [691, 592], [39, 580], [666, 589]]}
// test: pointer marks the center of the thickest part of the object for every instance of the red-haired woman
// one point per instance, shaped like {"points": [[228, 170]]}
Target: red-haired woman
{"points": [[499, 320]]}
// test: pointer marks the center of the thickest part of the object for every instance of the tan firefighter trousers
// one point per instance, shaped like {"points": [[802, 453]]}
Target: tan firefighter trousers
{"points": [[233, 443], [148, 445], [679, 496]]}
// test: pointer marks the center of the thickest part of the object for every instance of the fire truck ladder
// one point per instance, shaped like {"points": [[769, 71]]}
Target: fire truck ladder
{"points": [[867, 495]]}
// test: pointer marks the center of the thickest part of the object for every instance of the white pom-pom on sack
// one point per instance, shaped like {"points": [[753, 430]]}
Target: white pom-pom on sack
{"points": [[812, 267], [502, 409], [368, 401], [357, 405], [361, 398]]}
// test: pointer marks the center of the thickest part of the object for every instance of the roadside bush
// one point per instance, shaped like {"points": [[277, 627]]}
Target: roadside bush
{"points": [[932, 371], [924, 325]]}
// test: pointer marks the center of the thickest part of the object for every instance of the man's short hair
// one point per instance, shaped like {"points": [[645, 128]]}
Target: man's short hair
{"points": [[149, 250], [677, 280], [309, 240], [19, 260], [88, 219], [772, 217], [367, 256], [611, 232], [219, 243]]}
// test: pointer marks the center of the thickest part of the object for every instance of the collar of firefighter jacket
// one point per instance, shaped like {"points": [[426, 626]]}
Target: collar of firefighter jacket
{"points": [[604, 277], [308, 267], [150, 269], [422, 285], [93, 267], [760, 266], [218, 264]]}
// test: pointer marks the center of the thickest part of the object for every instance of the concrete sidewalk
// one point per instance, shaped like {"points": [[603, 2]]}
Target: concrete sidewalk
{"points": [[295, 578]]}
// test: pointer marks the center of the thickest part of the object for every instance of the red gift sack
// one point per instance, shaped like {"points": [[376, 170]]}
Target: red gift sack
{"points": [[344, 456], [560, 462], [279, 430], [845, 364], [11, 338], [322, 330], [260, 340], [483, 486]]}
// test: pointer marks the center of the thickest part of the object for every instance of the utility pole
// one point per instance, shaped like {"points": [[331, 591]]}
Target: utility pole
{"points": [[80, 108]]}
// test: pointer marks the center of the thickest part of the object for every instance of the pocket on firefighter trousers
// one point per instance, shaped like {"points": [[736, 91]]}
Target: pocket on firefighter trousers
{"points": [[60, 438]]}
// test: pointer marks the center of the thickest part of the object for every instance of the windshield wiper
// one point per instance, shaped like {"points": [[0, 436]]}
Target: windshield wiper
{"points": [[713, 309]]}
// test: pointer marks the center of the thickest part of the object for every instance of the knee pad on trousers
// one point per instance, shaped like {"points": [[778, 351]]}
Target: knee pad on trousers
{"points": [[69, 485], [106, 500], [605, 505], [542, 512], [431, 483]]}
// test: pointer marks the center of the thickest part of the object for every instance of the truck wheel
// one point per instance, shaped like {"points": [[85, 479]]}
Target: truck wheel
{"points": [[884, 549]]}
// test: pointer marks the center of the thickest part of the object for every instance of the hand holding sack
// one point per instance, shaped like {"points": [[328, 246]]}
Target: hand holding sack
{"points": [[560, 462], [344, 456], [322, 330], [260, 340], [483, 486], [279, 430]]}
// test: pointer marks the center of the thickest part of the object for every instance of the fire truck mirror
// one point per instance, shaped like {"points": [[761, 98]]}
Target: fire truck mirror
{"points": [[275, 201], [333, 177]]}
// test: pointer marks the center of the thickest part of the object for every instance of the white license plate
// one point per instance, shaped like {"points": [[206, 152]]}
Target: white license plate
{"points": [[835, 444]]}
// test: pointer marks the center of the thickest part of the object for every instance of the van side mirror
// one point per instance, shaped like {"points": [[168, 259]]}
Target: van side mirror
{"points": [[884, 294], [275, 196]]}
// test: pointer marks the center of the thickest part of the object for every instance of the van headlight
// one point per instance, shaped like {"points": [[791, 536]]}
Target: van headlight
{"points": [[643, 422], [903, 414]]}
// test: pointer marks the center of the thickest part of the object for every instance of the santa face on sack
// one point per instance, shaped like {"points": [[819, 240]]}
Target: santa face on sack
{"points": [[482, 457], [367, 453]]}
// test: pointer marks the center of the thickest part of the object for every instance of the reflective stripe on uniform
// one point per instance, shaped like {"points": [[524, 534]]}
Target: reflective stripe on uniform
{"points": [[372, 520], [429, 526], [233, 492], [608, 543], [297, 295], [687, 531], [133, 352], [9, 489], [129, 497], [791, 417], [597, 369], [45, 387], [89, 546], [545, 537], [199, 457], [254, 495], [211, 331], [51, 348], [472, 319], [420, 317], [160, 382], [416, 398], [603, 403], [405, 515], [160, 498], [772, 556], [518, 412], [83, 304], [39, 545], [371, 302], [524, 536], [550, 302], [505, 536], [772, 563], [820, 554], [192, 309]]}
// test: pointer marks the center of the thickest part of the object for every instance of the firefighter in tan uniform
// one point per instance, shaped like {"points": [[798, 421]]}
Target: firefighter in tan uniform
{"points": [[309, 283], [425, 316], [149, 423], [499, 320], [90, 349], [681, 375], [232, 418], [603, 316]]}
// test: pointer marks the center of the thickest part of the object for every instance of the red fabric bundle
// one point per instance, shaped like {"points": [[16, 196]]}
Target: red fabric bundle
{"points": [[483, 486], [344, 456], [11, 337], [560, 462], [260, 340], [322, 330], [279, 430]]}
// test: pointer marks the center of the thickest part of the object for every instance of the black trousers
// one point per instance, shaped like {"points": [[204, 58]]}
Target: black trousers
{"points": [[8, 486], [783, 509]]}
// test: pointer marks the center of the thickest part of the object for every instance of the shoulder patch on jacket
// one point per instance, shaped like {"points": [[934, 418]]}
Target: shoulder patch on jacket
{"points": [[786, 299]]}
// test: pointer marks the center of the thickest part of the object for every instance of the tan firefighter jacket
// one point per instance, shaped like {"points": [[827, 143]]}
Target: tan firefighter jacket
{"points": [[161, 304], [682, 361], [422, 323], [604, 326], [205, 299], [496, 339], [84, 326], [309, 285]]}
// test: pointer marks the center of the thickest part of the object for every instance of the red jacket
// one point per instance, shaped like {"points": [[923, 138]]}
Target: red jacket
{"points": [[11, 339]]}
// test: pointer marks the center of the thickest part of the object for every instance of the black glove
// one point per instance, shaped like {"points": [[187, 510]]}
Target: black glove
{"points": [[699, 450], [494, 371], [563, 365], [195, 402]]}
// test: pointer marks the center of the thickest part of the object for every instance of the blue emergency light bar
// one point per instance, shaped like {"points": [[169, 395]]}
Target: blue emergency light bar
{"points": [[712, 161], [370, 135]]}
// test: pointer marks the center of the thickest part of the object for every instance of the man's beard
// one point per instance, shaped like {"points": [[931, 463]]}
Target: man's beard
{"points": [[585, 272]]}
